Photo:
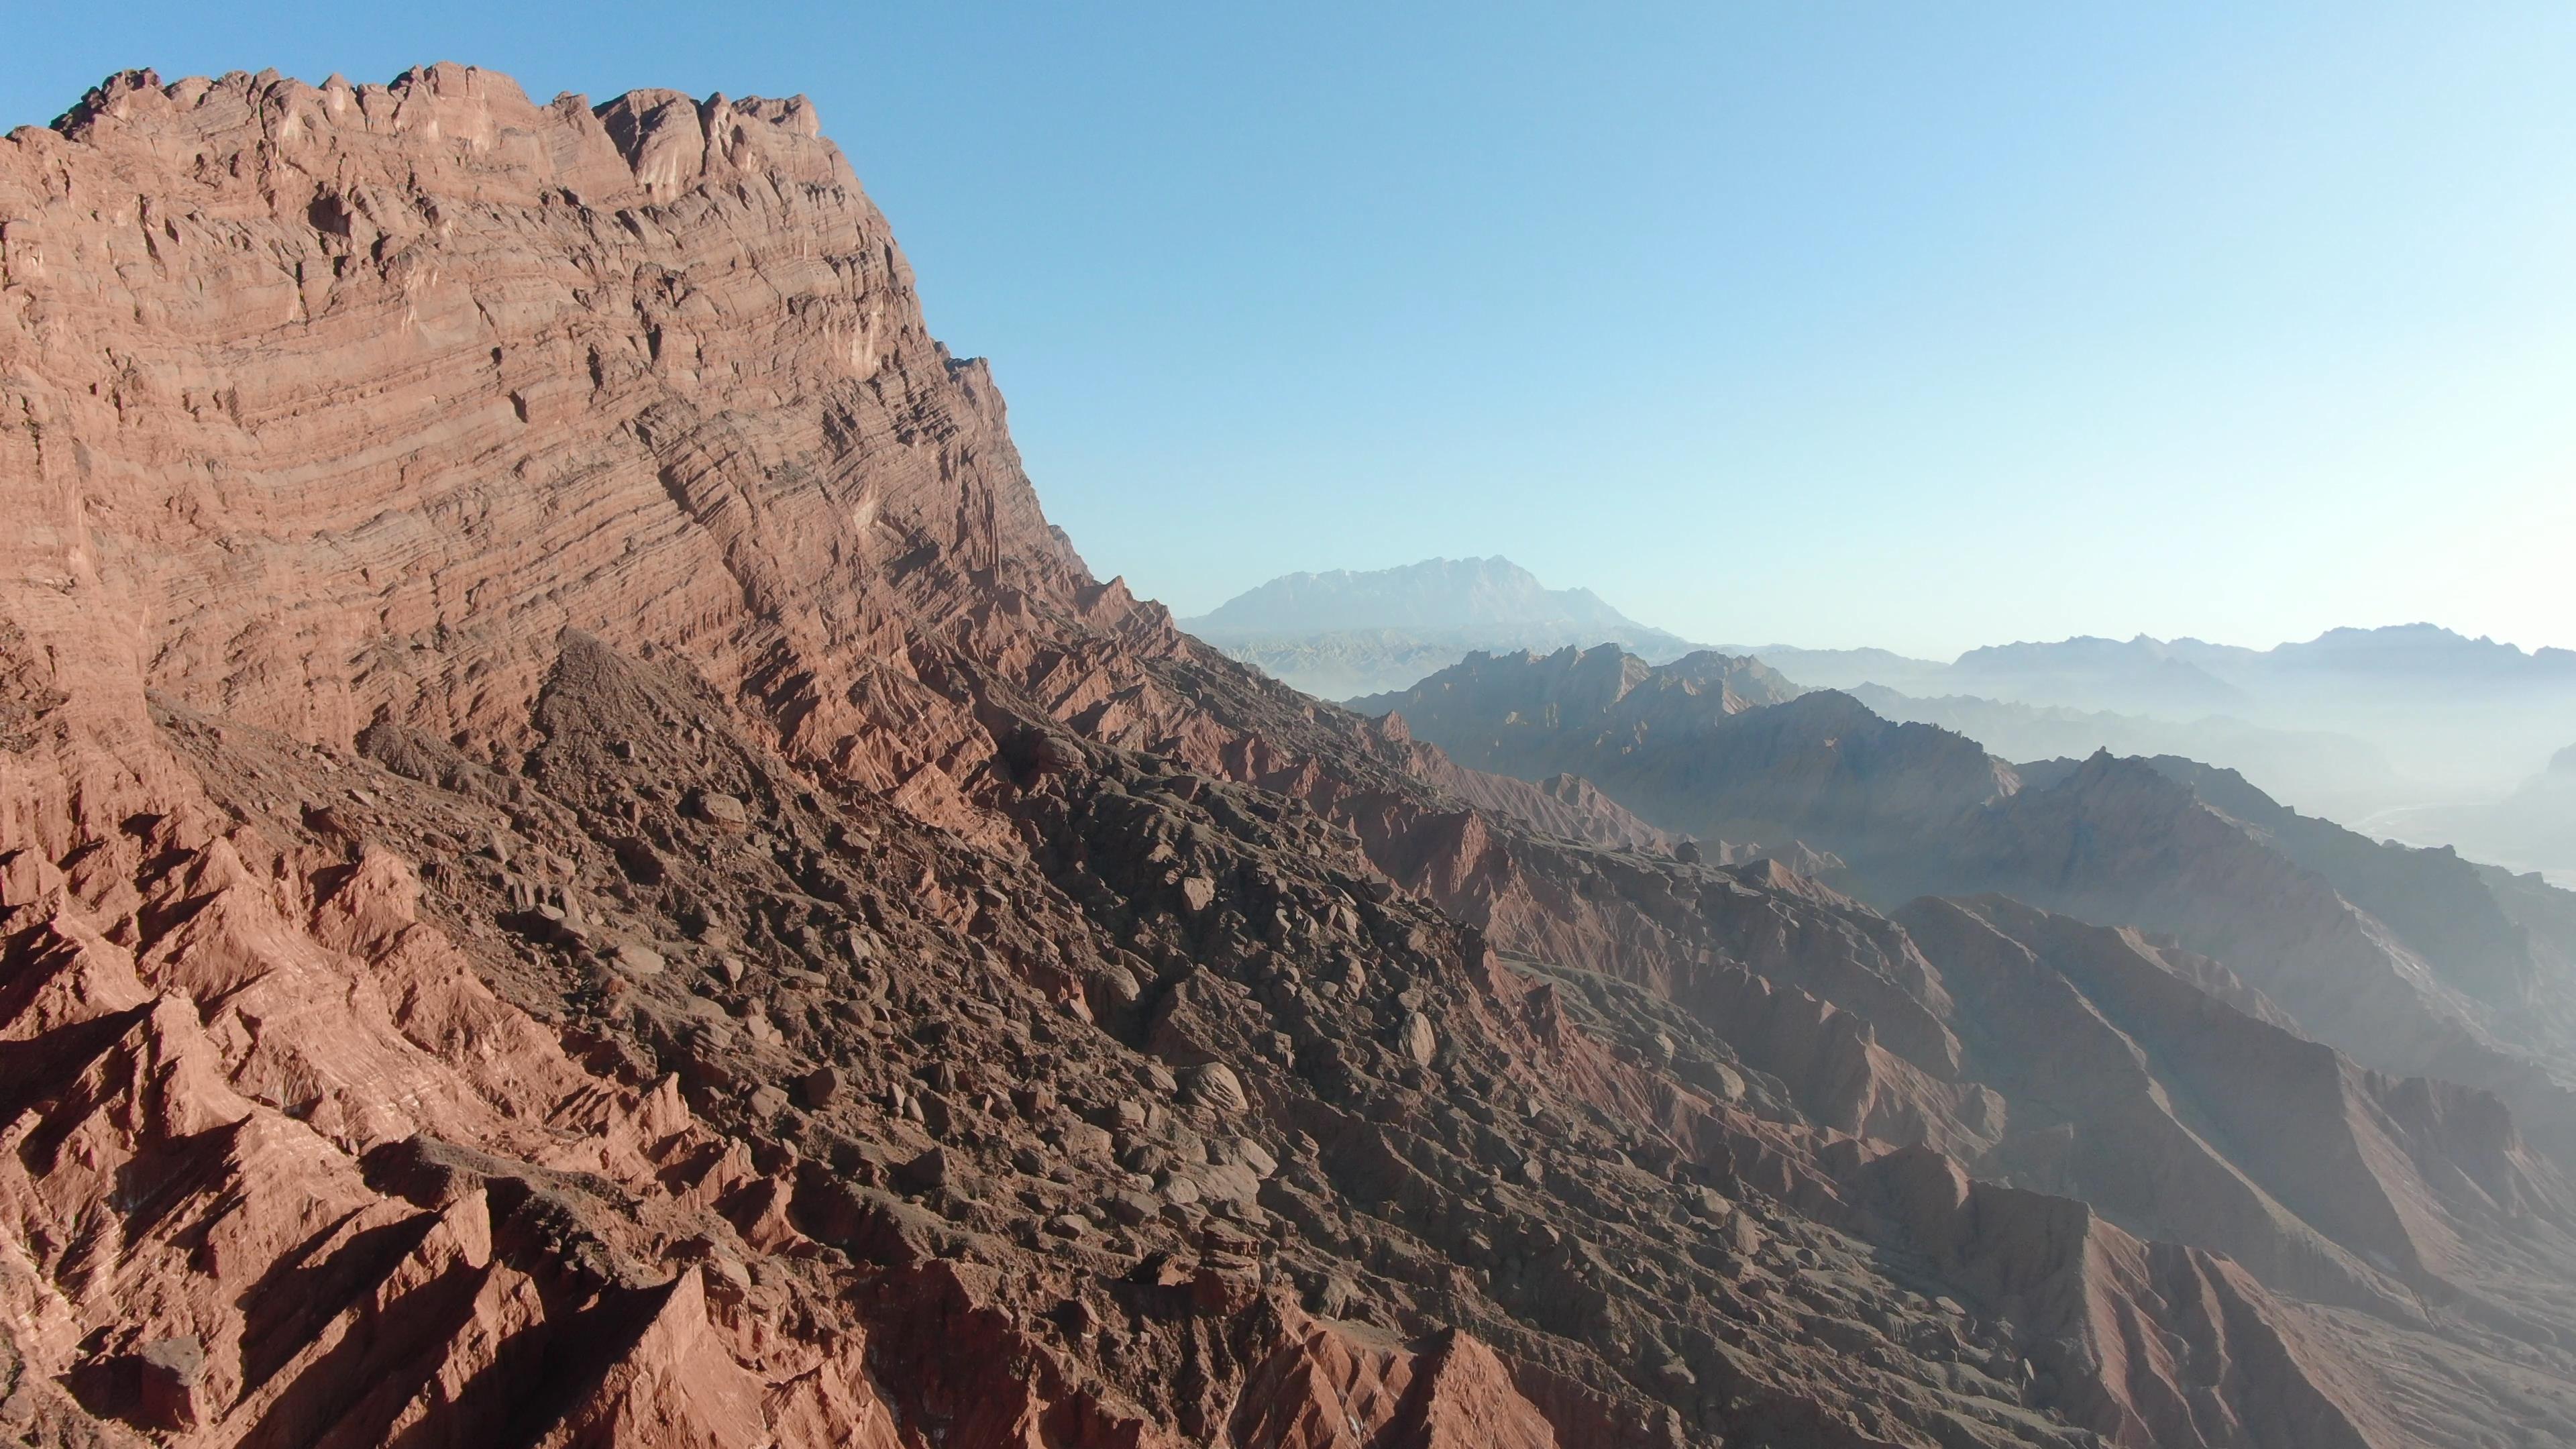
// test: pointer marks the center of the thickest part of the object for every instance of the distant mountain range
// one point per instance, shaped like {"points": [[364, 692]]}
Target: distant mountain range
{"points": [[2355, 721], [2335, 774], [2414, 958], [2411, 730], [2184, 678], [1346, 633]]}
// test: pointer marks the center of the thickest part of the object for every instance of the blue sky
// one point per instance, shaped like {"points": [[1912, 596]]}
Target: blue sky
{"points": [[1827, 324]]}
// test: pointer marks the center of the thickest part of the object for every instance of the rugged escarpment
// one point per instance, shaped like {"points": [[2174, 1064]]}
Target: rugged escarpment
{"points": [[582, 867]]}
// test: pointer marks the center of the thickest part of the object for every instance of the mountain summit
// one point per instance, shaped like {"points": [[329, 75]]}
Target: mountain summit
{"points": [[1347, 633], [1438, 593]]}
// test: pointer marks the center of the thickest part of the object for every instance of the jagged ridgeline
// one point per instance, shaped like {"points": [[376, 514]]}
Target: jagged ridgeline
{"points": [[582, 867]]}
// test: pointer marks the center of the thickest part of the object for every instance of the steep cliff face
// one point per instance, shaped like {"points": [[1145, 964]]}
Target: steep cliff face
{"points": [[330, 402], [581, 867]]}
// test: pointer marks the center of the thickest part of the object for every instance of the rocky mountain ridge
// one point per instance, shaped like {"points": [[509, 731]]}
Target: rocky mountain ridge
{"points": [[2322, 771], [2181, 677], [579, 865], [2414, 711], [2442, 983], [2366, 725]]}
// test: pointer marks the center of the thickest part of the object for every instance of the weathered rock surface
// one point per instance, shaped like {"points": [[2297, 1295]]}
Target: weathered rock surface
{"points": [[579, 866]]}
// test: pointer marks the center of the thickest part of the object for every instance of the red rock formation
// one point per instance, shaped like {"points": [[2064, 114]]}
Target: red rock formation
{"points": [[580, 866], [2136, 1334], [1330, 1384]]}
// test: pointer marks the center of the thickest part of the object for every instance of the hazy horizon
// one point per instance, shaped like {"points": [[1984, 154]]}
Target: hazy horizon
{"points": [[2437, 745], [2077, 633]]}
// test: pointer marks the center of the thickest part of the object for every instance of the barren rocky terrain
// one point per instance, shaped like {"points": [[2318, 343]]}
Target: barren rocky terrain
{"points": [[579, 865]]}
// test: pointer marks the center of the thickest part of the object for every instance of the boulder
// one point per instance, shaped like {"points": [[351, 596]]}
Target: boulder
{"points": [[934, 1171], [171, 1369], [726, 812], [1215, 1086], [1418, 1039]]}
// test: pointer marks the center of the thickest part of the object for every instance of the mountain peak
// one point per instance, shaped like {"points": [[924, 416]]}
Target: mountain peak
{"points": [[1351, 632], [1436, 593]]}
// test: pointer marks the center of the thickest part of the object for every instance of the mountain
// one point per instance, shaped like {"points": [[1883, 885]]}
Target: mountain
{"points": [[1713, 746], [2136, 676], [2534, 827], [2365, 724], [2356, 721], [2332, 773], [1344, 633], [2366, 661], [2435, 902], [2461, 717], [1847, 668], [2185, 675], [2402, 958], [1435, 594], [1562, 705], [584, 867]]}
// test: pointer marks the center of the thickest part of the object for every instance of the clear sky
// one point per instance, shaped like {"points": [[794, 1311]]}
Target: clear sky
{"points": [[1910, 325]]}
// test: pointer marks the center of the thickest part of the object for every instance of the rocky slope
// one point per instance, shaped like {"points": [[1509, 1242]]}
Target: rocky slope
{"points": [[582, 867], [2436, 904]]}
